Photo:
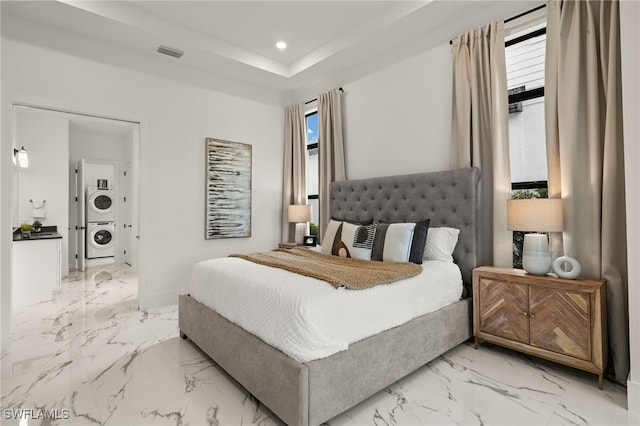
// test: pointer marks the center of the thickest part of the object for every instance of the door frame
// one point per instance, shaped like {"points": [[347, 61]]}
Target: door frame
{"points": [[9, 217], [80, 225]]}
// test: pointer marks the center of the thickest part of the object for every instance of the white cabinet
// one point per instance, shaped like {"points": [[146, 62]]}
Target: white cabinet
{"points": [[37, 270]]}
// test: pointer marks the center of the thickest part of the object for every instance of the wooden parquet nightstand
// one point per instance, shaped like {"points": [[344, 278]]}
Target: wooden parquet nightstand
{"points": [[553, 318]]}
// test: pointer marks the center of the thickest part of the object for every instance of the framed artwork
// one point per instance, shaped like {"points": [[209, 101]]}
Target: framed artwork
{"points": [[227, 189]]}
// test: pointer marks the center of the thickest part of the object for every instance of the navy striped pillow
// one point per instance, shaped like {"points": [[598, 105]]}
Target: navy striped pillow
{"points": [[400, 242]]}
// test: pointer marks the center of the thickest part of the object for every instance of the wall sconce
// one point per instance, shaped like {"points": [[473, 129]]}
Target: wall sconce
{"points": [[299, 214], [21, 158]]}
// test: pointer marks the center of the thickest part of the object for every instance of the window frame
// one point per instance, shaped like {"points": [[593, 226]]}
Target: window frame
{"points": [[310, 111], [526, 95]]}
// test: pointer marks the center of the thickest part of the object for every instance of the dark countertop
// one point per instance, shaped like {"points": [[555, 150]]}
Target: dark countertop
{"points": [[47, 233]]}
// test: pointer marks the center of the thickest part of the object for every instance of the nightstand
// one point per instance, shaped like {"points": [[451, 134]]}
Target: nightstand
{"points": [[552, 318]]}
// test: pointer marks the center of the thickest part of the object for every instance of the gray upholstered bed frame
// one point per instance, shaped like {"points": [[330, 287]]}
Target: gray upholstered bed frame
{"points": [[313, 392]]}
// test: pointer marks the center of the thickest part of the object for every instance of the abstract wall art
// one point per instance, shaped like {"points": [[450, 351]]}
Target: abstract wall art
{"points": [[228, 189]]}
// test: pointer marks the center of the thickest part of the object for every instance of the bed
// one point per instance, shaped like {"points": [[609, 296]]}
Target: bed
{"points": [[310, 393]]}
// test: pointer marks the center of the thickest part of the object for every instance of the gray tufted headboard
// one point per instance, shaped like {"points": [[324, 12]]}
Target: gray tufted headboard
{"points": [[448, 198]]}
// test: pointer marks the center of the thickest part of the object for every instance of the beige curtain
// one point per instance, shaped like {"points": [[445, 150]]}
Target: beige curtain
{"points": [[330, 149], [480, 132], [583, 113], [295, 166]]}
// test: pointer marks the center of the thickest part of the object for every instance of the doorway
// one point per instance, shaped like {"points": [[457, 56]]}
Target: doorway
{"points": [[57, 142], [101, 163]]}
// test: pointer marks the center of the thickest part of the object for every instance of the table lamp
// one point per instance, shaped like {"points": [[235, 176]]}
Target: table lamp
{"points": [[299, 214], [535, 215]]}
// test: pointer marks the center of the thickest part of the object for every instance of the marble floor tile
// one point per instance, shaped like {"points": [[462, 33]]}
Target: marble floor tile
{"points": [[90, 357]]}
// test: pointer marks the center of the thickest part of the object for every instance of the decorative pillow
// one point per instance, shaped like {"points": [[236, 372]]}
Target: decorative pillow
{"points": [[392, 242], [416, 240], [356, 241], [419, 241], [441, 243], [331, 237]]}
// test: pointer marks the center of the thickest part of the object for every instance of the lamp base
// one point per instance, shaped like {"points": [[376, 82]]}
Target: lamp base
{"points": [[301, 231], [536, 256]]}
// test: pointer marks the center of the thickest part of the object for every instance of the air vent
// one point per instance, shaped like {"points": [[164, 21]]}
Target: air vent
{"points": [[170, 51]]}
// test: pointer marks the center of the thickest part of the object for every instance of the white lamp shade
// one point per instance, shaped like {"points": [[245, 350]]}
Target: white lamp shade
{"points": [[535, 214], [299, 213]]}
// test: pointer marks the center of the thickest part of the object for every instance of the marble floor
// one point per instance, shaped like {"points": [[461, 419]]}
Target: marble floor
{"points": [[90, 357]]}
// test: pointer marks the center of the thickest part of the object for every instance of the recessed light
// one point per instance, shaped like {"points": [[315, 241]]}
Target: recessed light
{"points": [[281, 45]]}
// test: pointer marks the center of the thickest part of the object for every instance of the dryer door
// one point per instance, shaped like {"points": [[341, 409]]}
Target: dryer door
{"points": [[101, 203]]}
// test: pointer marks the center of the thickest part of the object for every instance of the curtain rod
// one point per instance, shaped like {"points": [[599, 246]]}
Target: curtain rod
{"points": [[519, 15], [525, 13], [313, 100]]}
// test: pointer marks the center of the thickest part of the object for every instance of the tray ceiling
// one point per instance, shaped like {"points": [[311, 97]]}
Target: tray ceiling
{"points": [[236, 39]]}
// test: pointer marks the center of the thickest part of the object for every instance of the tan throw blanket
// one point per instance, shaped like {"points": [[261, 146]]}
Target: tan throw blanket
{"points": [[353, 274]]}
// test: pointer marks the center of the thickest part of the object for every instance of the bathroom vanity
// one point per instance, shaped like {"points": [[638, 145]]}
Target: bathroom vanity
{"points": [[37, 266]]}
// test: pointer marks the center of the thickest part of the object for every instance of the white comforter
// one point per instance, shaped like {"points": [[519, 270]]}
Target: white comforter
{"points": [[307, 318]]}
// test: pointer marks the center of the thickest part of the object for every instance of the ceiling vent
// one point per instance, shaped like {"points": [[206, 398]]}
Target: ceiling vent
{"points": [[170, 51]]}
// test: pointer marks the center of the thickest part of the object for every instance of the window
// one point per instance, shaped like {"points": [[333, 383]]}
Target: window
{"points": [[525, 55], [311, 120], [525, 84]]}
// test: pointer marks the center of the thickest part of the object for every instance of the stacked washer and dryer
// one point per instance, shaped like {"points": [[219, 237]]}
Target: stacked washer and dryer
{"points": [[101, 216]]}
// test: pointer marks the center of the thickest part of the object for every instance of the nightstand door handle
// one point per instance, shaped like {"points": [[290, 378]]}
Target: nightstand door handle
{"points": [[525, 314], [532, 316]]}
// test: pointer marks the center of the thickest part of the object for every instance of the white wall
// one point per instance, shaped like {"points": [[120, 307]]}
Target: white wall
{"points": [[96, 145], [96, 169], [398, 119], [45, 136], [630, 40], [175, 119]]}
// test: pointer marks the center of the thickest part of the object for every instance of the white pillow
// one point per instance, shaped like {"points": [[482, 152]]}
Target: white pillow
{"points": [[441, 242], [356, 241], [333, 228]]}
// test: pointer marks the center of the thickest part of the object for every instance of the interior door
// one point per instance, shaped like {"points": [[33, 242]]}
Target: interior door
{"points": [[81, 224], [127, 214]]}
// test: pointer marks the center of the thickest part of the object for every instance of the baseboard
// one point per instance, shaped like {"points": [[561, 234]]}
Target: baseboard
{"points": [[633, 396]]}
